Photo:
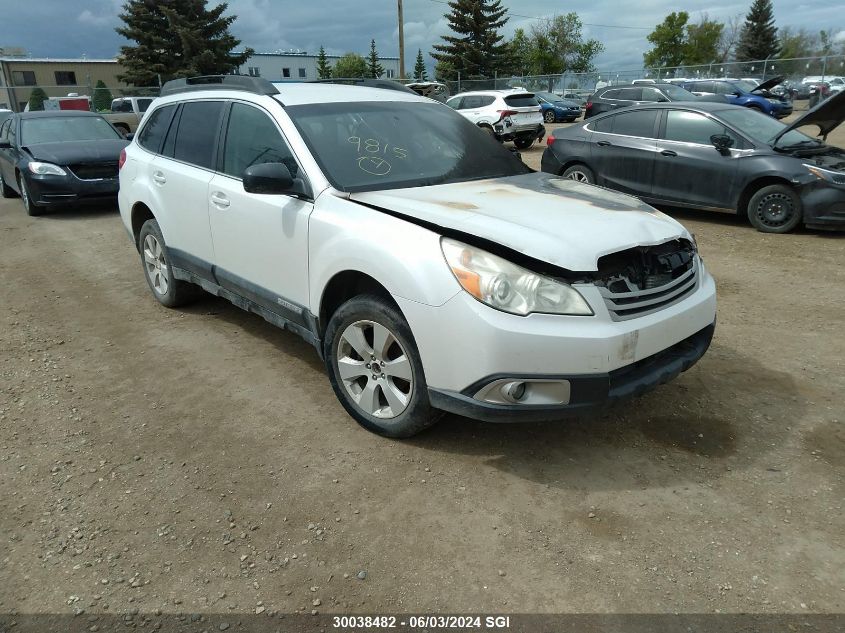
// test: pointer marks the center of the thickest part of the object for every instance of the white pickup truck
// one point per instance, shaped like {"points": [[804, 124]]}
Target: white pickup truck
{"points": [[127, 112]]}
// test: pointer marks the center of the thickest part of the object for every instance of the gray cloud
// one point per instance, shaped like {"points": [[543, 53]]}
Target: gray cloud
{"points": [[79, 27]]}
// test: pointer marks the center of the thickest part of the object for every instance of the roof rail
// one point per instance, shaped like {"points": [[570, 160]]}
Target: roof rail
{"points": [[256, 85]]}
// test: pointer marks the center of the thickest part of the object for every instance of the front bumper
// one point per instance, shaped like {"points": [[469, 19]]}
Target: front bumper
{"points": [[61, 190], [590, 392], [464, 343], [824, 205]]}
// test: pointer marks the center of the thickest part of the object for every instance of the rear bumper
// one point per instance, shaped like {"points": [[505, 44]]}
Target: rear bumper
{"points": [[589, 392]]}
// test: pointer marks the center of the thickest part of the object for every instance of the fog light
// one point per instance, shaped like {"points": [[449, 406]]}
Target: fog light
{"points": [[535, 391]]}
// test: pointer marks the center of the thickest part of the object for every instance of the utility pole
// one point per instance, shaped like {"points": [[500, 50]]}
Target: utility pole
{"points": [[401, 43]]}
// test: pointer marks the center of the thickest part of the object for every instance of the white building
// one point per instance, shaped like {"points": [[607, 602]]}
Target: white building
{"points": [[300, 66]]}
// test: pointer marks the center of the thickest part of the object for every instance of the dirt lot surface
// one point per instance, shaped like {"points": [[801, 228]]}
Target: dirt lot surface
{"points": [[197, 460]]}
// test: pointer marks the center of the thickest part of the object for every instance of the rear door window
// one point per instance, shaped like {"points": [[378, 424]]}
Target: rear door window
{"points": [[602, 125], [155, 128], [196, 137], [609, 94], [630, 94], [652, 94], [637, 123]]}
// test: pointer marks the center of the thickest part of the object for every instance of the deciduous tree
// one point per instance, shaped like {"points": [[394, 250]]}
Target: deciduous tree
{"points": [[351, 65]]}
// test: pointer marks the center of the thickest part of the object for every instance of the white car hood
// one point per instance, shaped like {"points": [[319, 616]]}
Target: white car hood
{"points": [[556, 220]]}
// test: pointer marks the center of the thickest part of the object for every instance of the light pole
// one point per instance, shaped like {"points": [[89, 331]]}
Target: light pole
{"points": [[401, 43]]}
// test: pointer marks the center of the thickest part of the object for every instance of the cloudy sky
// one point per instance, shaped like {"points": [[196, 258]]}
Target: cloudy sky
{"points": [[71, 28]]}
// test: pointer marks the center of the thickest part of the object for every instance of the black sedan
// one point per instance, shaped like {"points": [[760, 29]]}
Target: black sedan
{"points": [[712, 156], [615, 97], [56, 158]]}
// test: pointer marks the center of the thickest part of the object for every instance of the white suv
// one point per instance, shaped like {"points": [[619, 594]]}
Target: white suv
{"points": [[511, 115], [431, 269]]}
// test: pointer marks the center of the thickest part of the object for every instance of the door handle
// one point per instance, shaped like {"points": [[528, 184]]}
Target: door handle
{"points": [[603, 143], [219, 200], [668, 152], [159, 178]]}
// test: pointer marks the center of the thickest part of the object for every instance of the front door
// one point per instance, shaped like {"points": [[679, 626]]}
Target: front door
{"points": [[260, 240], [688, 169]]}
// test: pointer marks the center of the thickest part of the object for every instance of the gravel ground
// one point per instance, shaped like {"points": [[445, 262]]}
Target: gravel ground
{"points": [[197, 460]]}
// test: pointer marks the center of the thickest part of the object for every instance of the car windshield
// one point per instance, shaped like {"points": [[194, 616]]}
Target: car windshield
{"points": [[547, 96], [61, 129], [676, 93], [368, 146], [762, 128]]}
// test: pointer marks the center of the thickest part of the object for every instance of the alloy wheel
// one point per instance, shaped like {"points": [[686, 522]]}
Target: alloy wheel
{"points": [[375, 369], [155, 264], [579, 176]]}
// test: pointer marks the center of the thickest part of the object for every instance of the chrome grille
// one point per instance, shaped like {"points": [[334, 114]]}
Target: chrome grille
{"points": [[636, 302]]}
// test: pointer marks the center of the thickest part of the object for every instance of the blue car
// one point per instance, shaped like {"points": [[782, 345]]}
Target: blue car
{"points": [[556, 109], [745, 94]]}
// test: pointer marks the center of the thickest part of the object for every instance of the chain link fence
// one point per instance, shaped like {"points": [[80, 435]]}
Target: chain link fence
{"points": [[579, 86], [16, 97]]}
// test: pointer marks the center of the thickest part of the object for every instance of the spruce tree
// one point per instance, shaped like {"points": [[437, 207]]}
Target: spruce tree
{"points": [[36, 99], [176, 38], [759, 36], [102, 97], [374, 69], [420, 72], [324, 68], [477, 47]]}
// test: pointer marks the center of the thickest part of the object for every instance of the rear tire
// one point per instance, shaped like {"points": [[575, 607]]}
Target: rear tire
{"points": [[375, 370], [775, 209], [523, 143], [32, 209], [167, 290], [580, 173]]}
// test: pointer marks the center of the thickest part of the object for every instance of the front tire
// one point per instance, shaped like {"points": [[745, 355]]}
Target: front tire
{"points": [[580, 173], [375, 370], [32, 209], [523, 143], [167, 290], [775, 209], [549, 116]]}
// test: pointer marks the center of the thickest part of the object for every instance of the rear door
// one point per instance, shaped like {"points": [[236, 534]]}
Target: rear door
{"points": [[180, 177], [622, 149], [688, 169], [260, 240]]}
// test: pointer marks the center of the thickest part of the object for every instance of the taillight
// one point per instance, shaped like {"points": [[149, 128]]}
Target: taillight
{"points": [[549, 140], [588, 105], [122, 161], [506, 113]]}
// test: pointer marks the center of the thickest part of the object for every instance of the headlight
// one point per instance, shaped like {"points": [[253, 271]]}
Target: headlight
{"points": [[836, 177], [45, 169], [508, 287]]}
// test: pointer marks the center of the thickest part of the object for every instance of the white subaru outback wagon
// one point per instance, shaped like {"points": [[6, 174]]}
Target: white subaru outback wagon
{"points": [[432, 270]]}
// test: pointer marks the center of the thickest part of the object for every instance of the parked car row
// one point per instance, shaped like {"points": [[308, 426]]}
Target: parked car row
{"points": [[507, 115]]}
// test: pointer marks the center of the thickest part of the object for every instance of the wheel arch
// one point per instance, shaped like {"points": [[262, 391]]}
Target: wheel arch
{"points": [[140, 214], [342, 287], [753, 187], [572, 162]]}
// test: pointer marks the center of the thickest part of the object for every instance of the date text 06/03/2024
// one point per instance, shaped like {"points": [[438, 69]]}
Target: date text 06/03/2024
{"points": [[421, 622]]}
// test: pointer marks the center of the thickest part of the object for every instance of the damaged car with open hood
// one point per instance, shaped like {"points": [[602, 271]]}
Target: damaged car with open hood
{"points": [[430, 268], [715, 157]]}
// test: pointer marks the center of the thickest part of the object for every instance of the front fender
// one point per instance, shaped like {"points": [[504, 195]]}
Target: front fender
{"points": [[403, 257]]}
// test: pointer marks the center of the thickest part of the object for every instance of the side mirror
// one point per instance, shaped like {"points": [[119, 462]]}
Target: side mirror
{"points": [[268, 178], [736, 93], [5, 145], [722, 142]]}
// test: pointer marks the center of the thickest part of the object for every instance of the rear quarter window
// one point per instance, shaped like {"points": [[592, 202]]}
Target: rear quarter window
{"points": [[155, 128]]}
